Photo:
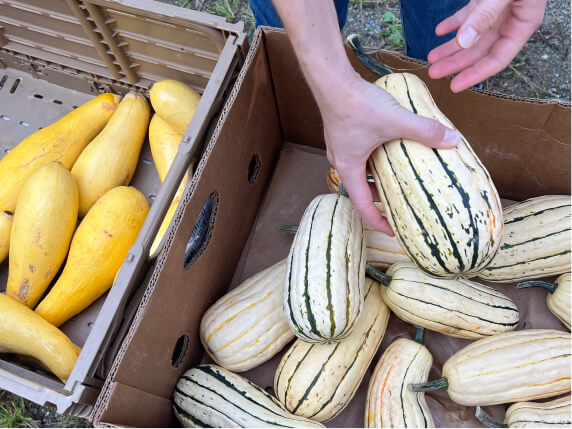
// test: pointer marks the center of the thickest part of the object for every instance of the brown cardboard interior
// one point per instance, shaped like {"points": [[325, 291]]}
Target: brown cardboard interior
{"points": [[271, 115]]}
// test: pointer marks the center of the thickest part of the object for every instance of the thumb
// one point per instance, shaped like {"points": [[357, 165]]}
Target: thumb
{"points": [[480, 20], [428, 131]]}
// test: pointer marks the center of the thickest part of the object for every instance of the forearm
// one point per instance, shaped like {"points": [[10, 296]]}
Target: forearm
{"points": [[313, 30]]}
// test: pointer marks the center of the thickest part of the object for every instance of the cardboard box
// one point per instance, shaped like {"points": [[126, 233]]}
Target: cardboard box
{"points": [[57, 54], [263, 165]]}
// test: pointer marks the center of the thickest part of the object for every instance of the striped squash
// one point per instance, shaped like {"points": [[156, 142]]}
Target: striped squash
{"points": [[441, 203], [382, 251], [388, 402], [535, 241], [334, 181], [211, 396], [555, 413], [551, 414], [247, 326], [457, 308], [324, 289], [510, 367], [558, 299], [318, 380]]}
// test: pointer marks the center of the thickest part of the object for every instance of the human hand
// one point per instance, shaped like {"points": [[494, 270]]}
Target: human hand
{"points": [[490, 33], [363, 117]]}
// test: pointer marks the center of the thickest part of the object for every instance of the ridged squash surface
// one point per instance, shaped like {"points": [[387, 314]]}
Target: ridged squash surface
{"points": [[324, 289], [44, 223], [98, 248], [211, 396], [441, 203], [247, 326], [551, 414], [389, 404], [318, 381], [510, 367]]}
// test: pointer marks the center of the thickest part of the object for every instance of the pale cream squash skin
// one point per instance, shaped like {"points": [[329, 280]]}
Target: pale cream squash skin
{"points": [[98, 248], [174, 102], [318, 381], [389, 403], [164, 141], [555, 413], [44, 222], [247, 326], [382, 251], [6, 219], [211, 396], [536, 241], [510, 367], [441, 204], [61, 141], [559, 301], [457, 308], [324, 289], [110, 159], [26, 333]]}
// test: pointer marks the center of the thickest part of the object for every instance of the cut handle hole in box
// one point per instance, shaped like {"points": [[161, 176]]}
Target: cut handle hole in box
{"points": [[253, 168], [202, 231], [180, 350]]}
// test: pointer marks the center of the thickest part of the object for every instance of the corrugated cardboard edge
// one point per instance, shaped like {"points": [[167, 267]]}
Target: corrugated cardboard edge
{"points": [[109, 385]]}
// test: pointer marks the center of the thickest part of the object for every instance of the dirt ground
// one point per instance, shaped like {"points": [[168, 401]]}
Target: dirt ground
{"points": [[541, 70]]}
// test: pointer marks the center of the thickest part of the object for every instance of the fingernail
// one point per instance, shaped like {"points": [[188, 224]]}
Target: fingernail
{"points": [[451, 137], [468, 37]]}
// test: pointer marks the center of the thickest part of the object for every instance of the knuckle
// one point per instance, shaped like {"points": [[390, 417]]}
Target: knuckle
{"points": [[486, 17]]}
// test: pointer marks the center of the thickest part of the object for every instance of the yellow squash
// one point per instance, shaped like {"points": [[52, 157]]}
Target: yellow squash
{"points": [[61, 141], [110, 159], [175, 102], [24, 332], [44, 222], [5, 227], [164, 141], [97, 250]]}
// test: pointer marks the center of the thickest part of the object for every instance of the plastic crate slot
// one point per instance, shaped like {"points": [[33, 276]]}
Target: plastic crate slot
{"points": [[147, 162], [24, 123], [152, 197], [4, 117], [6, 150], [38, 96], [90, 325], [3, 81], [57, 102], [180, 350]]}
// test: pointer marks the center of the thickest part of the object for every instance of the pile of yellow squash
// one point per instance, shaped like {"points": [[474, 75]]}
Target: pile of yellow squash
{"points": [[65, 197]]}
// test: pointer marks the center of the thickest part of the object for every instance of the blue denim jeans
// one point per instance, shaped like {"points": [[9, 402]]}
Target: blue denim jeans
{"points": [[419, 19]]}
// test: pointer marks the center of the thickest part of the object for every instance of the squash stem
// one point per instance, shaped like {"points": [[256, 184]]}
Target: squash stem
{"points": [[550, 287], [419, 335], [291, 229], [430, 386], [371, 64], [377, 275], [487, 420], [342, 190]]}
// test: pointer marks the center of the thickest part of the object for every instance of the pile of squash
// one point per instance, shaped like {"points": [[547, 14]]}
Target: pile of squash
{"points": [[69, 217], [331, 295]]}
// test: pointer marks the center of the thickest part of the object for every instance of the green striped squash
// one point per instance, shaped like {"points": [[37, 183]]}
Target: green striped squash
{"points": [[389, 403], [555, 413], [454, 307], [317, 381], [536, 240], [247, 326], [211, 396], [509, 367], [323, 293], [441, 204], [382, 251]]}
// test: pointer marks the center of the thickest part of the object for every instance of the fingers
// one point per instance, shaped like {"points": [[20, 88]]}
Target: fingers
{"points": [[481, 19], [354, 181], [427, 131], [453, 22]]}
